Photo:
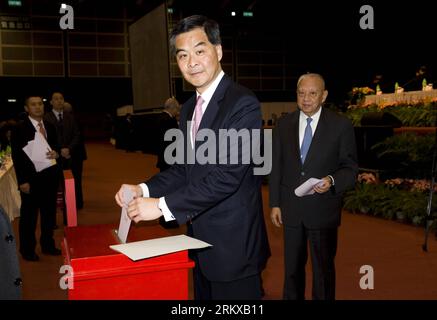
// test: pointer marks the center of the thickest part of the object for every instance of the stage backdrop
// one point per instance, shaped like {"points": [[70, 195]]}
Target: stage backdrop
{"points": [[150, 64]]}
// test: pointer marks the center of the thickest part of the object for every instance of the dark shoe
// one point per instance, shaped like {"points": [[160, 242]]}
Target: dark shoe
{"points": [[30, 257], [52, 251]]}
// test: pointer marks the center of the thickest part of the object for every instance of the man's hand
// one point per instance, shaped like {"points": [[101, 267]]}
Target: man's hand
{"points": [[25, 188], [52, 154], [135, 189], [65, 152], [326, 185], [144, 209], [276, 216]]}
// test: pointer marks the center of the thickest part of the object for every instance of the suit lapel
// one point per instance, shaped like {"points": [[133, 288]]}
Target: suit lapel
{"points": [[213, 106], [30, 130], [191, 106], [295, 134]]}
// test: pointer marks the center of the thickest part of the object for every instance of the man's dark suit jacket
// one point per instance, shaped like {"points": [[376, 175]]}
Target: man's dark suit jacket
{"points": [[332, 152], [69, 135], [166, 122], [222, 201], [22, 134]]}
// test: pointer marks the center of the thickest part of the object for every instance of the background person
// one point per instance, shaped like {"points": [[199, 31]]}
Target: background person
{"points": [[312, 142], [37, 189]]}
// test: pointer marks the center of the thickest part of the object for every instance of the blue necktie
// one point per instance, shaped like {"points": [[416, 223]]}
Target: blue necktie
{"points": [[306, 140]]}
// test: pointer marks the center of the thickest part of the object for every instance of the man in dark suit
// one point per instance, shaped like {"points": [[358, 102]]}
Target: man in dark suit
{"points": [[312, 142], [220, 202], [167, 121], [37, 188], [79, 155], [69, 140]]}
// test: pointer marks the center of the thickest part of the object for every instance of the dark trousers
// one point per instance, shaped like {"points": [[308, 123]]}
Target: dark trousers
{"points": [[248, 288], [42, 197], [323, 248]]}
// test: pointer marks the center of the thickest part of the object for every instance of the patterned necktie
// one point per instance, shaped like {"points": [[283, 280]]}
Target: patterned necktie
{"points": [[197, 116], [42, 130], [60, 117], [308, 136]]}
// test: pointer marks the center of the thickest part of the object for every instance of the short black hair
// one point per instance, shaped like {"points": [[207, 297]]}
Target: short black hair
{"points": [[210, 27], [31, 95]]}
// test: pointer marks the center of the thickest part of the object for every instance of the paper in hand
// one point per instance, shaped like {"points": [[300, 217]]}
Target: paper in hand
{"points": [[123, 228], [36, 150], [306, 188]]}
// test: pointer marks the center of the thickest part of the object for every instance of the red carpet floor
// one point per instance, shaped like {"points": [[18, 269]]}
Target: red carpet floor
{"points": [[392, 249]]}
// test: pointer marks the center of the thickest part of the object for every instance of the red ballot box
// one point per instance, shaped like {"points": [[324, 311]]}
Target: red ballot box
{"points": [[99, 272]]}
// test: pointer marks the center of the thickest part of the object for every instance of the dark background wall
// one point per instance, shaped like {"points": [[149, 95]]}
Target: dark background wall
{"points": [[266, 52]]}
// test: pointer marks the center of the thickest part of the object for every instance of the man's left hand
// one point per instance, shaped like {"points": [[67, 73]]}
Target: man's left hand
{"points": [[324, 187], [65, 152], [144, 209], [52, 154]]}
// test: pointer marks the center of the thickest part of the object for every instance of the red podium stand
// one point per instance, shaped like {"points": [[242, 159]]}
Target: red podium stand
{"points": [[101, 273]]}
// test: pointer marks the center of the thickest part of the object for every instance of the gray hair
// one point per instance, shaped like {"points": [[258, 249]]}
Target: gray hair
{"points": [[311, 75]]}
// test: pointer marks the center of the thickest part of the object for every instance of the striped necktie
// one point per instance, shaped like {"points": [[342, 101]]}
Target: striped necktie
{"points": [[308, 136]]}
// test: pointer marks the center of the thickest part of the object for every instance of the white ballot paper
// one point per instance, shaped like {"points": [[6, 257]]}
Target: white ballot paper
{"points": [[123, 227], [36, 150], [306, 188], [156, 247]]}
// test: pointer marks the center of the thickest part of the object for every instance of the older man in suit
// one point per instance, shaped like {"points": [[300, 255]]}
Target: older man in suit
{"points": [[221, 202], [37, 188], [312, 142]]}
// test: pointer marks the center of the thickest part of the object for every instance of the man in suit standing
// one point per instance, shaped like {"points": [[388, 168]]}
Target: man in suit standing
{"points": [[37, 189], [69, 140], [312, 142], [78, 157], [220, 202], [167, 121]]}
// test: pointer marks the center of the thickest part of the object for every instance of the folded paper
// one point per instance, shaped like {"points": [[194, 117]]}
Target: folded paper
{"points": [[307, 188], [150, 248]]}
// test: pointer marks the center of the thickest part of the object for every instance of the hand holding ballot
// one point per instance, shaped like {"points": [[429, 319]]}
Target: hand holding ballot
{"points": [[125, 221], [313, 185], [120, 196], [140, 208], [144, 209]]}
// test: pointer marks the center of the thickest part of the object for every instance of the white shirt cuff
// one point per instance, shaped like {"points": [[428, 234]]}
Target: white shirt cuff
{"points": [[168, 216], [332, 179], [146, 193]]}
